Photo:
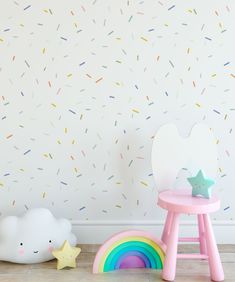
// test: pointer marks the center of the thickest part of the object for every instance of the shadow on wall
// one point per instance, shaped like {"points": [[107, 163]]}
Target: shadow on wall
{"points": [[134, 167]]}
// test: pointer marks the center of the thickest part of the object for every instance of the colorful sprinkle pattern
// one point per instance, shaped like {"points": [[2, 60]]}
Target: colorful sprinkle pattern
{"points": [[86, 84]]}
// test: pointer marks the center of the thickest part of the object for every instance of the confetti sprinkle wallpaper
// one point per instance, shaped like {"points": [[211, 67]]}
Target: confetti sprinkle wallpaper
{"points": [[84, 86]]}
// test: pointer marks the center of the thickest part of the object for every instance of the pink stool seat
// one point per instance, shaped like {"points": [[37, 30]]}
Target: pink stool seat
{"points": [[181, 201]]}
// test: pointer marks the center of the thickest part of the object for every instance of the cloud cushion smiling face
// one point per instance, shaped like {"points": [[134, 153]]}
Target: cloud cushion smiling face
{"points": [[32, 237]]}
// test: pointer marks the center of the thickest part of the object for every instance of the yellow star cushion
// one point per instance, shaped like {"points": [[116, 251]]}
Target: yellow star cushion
{"points": [[66, 255]]}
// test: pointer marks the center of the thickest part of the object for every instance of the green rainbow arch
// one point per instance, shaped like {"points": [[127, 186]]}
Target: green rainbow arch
{"points": [[141, 247]]}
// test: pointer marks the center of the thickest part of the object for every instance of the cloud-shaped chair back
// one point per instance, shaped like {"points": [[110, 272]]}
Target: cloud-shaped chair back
{"points": [[171, 153]]}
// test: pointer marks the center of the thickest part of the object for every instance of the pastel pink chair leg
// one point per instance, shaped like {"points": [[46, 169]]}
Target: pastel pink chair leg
{"points": [[169, 268], [167, 226], [201, 231], [216, 269]]}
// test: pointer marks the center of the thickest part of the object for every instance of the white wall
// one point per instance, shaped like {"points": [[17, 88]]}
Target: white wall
{"points": [[84, 87]]}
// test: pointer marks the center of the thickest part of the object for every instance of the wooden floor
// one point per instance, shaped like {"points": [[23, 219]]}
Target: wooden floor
{"points": [[190, 271]]}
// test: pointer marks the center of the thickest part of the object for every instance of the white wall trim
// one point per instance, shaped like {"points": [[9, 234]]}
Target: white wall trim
{"points": [[142, 222], [97, 231]]}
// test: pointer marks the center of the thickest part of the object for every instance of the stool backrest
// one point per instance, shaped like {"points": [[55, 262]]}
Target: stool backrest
{"points": [[171, 153]]}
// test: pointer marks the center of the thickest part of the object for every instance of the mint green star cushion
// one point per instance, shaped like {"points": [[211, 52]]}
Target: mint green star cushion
{"points": [[201, 185]]}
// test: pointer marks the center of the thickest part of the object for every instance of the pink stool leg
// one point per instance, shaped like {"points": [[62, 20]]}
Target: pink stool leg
{"points": [[216, 269], [201, 231], [167, 226], [169, 267]]}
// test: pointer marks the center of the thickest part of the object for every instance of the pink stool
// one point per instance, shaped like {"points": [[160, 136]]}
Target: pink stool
{"points": [[178, 202]]}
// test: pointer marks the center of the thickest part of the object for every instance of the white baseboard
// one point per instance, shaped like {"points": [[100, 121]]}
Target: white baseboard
{"points": [[96, 232]]}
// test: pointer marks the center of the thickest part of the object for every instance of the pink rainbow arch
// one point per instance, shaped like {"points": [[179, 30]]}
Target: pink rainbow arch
{"points": [[130, 249]]}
